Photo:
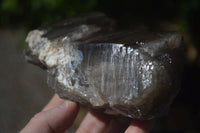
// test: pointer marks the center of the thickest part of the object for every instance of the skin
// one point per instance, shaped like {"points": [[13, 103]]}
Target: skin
{"points": [[58, 116]]}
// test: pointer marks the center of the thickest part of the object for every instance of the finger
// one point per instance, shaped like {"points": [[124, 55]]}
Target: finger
{"points": [[118, 125], [93, 123], [55, 101], [137, 126], [55, 120]]}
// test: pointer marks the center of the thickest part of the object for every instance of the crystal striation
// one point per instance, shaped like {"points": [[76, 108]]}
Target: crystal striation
{"points": [[134, 74]]}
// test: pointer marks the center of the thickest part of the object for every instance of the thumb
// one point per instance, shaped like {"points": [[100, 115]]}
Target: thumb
{"points": [[55, 120]]}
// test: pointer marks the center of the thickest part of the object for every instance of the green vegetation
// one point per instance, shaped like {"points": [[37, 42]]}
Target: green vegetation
{"points": [[34, 13]]}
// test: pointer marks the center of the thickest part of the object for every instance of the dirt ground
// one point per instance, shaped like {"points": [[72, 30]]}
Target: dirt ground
{"points": [[23, 88]]}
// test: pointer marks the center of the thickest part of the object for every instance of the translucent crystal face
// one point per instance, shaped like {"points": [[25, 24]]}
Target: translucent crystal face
{"points": [[135, 74], [115, 69]]}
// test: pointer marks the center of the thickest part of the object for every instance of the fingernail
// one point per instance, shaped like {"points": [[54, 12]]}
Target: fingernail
{"points": [[64, 104]]}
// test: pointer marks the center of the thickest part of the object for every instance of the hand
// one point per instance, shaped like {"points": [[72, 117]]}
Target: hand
{"points": [[58, 116]]}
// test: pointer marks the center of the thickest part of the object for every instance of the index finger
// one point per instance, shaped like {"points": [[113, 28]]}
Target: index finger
{"points": [[55, 101]]}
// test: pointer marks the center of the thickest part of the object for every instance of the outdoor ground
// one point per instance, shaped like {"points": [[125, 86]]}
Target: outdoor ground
{"points": [[23, 89]]}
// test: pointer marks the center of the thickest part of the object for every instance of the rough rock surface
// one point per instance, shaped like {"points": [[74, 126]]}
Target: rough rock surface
{"points": [[134, 74]]}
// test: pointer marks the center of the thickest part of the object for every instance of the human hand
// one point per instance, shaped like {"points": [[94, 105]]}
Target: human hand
{"points": [[58, 116]]}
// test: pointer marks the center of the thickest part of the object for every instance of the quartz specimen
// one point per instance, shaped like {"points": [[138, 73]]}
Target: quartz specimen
{"points": [[134, 74]]}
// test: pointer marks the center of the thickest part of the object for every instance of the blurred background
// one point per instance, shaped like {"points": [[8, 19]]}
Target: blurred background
{"points": [[23, 89]]}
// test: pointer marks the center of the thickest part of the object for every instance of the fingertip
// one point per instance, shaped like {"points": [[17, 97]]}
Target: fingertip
{"points": [[55, 101], [63, 116], [138, 126], [70, 105], [93, 123], [57, 119]]}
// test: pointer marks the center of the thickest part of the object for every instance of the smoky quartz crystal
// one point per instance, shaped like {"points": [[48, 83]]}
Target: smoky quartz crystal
{"points": [[130, 73]]}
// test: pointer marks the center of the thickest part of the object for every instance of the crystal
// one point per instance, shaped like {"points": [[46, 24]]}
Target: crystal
{"points": [[130, 73]]}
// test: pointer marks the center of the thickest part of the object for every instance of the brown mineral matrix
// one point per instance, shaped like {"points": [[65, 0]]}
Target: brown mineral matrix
{"points": [[131, 73]]}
